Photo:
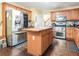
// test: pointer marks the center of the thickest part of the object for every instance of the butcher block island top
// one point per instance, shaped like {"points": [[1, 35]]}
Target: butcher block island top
{"points": [[38, 40]]}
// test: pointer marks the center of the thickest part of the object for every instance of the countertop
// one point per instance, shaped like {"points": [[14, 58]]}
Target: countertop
{"points": [[36, 29], [19, 32]]}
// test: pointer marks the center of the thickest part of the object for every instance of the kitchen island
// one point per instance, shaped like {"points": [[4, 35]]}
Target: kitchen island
{"points": [[39, 39]]}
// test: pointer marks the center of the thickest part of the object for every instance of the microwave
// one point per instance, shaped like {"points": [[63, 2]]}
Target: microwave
{"points": [[77, 24], [61, 18]]}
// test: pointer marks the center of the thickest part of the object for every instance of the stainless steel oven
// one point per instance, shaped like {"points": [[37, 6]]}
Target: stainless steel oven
{"points": [[60, 32], [60, 28], [60, 23]]}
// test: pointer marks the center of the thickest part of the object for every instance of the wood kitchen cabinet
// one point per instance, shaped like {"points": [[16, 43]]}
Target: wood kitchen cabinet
{"points": [[38, 40], [70, 33], [53, 16], [77, 14], [73, 34], [76, 38], [29, 15], [64, 13], [71, 14]]}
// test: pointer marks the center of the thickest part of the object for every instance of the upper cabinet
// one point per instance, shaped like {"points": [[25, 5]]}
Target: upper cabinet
{"points": [[21, 9], [72, 14], [29, 15], [53, 16]]}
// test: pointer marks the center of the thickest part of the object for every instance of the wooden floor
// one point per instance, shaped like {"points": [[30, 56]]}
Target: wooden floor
{"points": [[58, 48]]}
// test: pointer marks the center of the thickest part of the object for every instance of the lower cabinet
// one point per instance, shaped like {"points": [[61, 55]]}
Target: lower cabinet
{"points": [[70, 33], [39, 41], [76, 38], [47, 40]]}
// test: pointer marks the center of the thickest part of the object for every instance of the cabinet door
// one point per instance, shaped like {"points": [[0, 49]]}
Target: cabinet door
{"points": [[63, 13], [77, 37], [53, 16], [69, 33], [34, 43], [69, 15], [73, 14], [77, 13], [29, 15]]}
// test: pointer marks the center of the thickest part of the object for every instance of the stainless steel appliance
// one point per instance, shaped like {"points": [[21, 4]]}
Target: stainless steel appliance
{"points": [[60, 32], [60, 28], [15, 21], [61, 18]]}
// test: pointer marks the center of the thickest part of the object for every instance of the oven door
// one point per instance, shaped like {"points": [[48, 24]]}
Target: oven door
{"points": [[59, 29], [60, 32], [60, 35]]}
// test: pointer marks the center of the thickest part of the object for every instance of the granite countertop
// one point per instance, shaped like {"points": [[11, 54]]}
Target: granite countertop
{"points": [[19, 32], [36, 29]]}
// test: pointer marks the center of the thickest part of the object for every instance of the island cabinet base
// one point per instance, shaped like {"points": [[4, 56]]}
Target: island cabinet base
{"points": [[39, 41]]}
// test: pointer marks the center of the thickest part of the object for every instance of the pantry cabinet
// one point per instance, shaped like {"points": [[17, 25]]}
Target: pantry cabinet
{"points": [[70, 33]]}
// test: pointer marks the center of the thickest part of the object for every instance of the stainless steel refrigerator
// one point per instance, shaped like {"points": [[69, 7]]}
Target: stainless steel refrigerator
{"points": [[14, 22]]}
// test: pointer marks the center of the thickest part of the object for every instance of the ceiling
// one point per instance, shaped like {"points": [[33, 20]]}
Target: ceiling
{"points": [[47, 5]]}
